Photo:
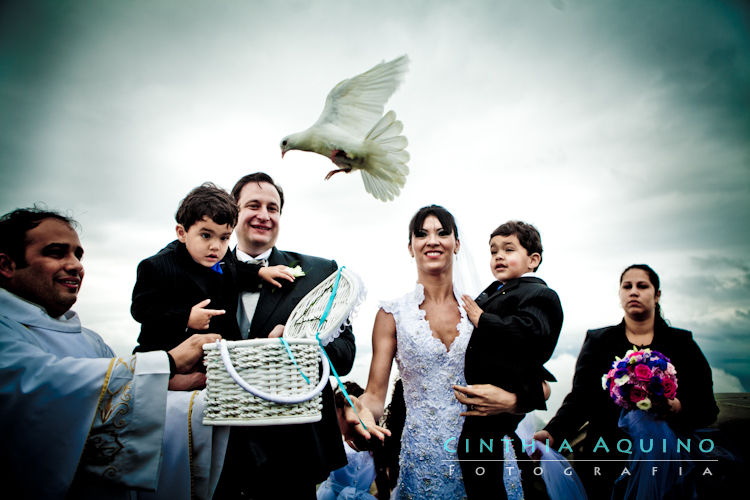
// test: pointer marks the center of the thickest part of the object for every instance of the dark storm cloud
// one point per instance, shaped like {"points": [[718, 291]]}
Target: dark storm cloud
{"points": [[629, 118]]}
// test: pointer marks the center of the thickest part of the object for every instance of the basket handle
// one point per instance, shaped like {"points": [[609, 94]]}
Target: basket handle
{"points": [[299, 398]]}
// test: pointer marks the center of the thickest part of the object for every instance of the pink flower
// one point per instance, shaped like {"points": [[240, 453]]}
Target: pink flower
{"points": [[670, 388], [637, 394], [643, 373]]}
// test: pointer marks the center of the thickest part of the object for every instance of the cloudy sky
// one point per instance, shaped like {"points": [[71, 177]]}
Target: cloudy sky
{"points": [[619, 128]]}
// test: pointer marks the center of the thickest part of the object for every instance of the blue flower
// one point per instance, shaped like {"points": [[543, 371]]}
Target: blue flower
{"points": [[655, 387]]}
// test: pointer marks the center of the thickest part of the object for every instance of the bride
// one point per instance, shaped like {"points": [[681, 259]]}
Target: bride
{"points": [[426, 331]]}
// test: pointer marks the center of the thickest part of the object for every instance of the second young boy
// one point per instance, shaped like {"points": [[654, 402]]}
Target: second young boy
{"points": [[517, 323]]}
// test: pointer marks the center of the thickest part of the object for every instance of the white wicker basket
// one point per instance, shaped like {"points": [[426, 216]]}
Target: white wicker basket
{"points": [[268, 373], [254, 382], [304, 321]]}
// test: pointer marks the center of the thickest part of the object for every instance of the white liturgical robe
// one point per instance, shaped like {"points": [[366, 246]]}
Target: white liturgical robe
{"points": [[75, 420]]}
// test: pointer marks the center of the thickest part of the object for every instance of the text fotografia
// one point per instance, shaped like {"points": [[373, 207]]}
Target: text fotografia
{"points": [[623, 445], [626, 446], [568, 471]]}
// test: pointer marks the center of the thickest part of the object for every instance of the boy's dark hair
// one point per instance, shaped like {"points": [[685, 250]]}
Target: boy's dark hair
{"points": [[528, 236], [207, 200], [444, 216], [257, 177], [14, 226]]}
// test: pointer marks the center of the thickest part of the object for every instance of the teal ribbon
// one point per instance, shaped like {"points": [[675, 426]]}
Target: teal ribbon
{"points": [[317, 337], [291, 356]]}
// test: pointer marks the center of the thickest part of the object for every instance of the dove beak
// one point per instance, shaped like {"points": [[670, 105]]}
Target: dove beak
{"points": [[282, 154]]}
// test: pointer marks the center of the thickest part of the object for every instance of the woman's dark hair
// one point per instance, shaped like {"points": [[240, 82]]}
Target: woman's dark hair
{"points": [[443, 215], [652, 277]]}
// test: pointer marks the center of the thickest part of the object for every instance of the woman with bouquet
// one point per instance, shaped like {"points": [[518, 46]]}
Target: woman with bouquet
{"points": [[691, 406]]}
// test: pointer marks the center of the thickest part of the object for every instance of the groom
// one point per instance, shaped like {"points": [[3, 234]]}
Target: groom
{"points": [[285, 461]]}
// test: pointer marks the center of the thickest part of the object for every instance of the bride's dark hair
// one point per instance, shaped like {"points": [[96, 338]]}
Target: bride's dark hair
{"points": [[445, 217]]}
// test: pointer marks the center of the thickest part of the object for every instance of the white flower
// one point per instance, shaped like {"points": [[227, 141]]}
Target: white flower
{"points": [[622, 380], [296, 271], [644, 404]]}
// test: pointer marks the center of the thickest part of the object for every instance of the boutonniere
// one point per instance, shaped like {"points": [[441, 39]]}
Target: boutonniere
{"points": [[296, 271]]}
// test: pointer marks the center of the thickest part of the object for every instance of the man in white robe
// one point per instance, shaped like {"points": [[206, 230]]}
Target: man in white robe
{"points": [[76, 421]]}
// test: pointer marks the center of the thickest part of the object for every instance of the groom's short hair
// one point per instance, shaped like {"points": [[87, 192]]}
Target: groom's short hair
{"points": [[257, 177]]}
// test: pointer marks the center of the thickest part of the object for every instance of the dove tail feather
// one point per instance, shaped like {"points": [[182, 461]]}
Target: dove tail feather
{"points": [[386, 127], [381, 189], [386, 171]]}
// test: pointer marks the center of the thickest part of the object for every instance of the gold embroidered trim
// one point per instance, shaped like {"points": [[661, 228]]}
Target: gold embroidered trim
{"points": [[101, 396], [190, 444]]}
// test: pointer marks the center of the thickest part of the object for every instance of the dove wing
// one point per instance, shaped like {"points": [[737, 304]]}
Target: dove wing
{"points": [[356, 104]]}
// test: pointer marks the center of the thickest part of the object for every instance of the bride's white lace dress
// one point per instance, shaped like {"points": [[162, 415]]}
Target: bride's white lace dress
{"points": [[429, 371]]}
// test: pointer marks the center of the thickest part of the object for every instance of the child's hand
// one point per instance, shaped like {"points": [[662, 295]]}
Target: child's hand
{"points": [[279, 272], [473, 311], [200, 317]]}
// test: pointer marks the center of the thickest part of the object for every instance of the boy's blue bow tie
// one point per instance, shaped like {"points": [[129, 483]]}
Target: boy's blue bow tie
{"points": [[217, 267]]}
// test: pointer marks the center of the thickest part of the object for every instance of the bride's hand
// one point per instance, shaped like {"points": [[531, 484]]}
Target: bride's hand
{"points": [[355, 427], [485, 399]]}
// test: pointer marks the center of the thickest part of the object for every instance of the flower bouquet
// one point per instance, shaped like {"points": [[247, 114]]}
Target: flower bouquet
{"points": [[643, 379]]}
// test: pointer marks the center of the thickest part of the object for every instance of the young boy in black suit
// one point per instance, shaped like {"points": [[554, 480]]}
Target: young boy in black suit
{"points": [[517, 322], [192, 285]]}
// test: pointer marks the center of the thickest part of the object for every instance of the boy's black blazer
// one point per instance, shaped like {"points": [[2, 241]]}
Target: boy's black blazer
{"points": [[170, 283], [515, 335], [519, 328], [311, 451]]}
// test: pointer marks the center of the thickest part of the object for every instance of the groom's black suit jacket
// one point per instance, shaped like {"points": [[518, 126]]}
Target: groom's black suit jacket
{"points": [[307, 452]]}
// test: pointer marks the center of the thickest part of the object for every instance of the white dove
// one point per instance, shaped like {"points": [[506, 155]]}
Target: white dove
{"points": [[353, 132]]}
